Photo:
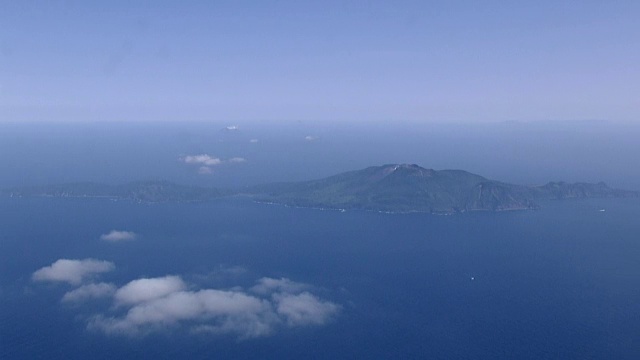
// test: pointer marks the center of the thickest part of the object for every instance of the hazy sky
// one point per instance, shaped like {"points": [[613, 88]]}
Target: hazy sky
{"points": [[301, 60]]}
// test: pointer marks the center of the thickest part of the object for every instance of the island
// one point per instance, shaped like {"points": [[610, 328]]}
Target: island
{"points": [[411, 188], [398, 188]]}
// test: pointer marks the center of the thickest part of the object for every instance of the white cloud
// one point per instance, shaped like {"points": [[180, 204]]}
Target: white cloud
{"points": [[149, 304], [253, 141], [304, 309], [157, 303], [206, 162], [116, 235], [221, 311], [72, 271], [142, 290], [89, 291], [311, 138], [203, 159], [236, 160]]}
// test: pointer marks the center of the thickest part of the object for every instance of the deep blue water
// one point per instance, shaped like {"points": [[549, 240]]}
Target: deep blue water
{"points": [[557, 283]]}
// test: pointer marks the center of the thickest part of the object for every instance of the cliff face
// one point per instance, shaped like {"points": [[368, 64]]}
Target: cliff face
{"points": [[563, 190], [497, 196]]}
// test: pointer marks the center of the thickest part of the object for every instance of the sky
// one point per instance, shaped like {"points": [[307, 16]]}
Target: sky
{"points": [[349, 61]]}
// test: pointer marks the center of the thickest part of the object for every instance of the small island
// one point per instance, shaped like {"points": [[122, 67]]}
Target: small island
{"points": [[398, 188]]}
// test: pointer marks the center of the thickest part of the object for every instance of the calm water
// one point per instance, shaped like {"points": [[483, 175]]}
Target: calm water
{"points": [[562, 282]]}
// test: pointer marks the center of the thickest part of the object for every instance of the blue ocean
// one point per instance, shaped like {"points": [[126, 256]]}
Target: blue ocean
{"points": [[561, 282], [556, 283]]}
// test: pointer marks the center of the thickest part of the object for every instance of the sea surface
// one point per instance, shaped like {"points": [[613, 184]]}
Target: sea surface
{"points": [[562, 282]]}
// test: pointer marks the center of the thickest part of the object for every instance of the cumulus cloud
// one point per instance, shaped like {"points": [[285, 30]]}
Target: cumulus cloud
{"points": [[116, 235], [269, 285], [236, 160], [72, 271], [304, 309], [143, 290], [206, 162], [89, 291], [203, 159], [149, 304], [163, 302], [219, 311]]}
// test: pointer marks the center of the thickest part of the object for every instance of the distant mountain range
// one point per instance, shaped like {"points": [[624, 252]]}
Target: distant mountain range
{"points": [[389, 188]]}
